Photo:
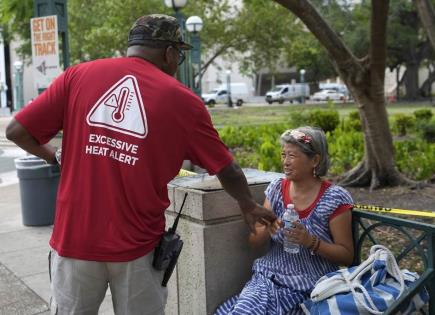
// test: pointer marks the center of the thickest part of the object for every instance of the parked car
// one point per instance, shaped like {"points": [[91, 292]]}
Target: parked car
{"points": [[239, 94], [339, 87], [288, 92], [325, 95]]}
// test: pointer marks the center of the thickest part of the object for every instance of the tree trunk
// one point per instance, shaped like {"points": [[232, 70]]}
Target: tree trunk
{"points": [[427, 16], [426, 87], [259, 79], [365, 79], [397, 83], [411, 81]]}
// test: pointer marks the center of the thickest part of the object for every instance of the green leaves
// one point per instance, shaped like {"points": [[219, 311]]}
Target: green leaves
{"points": [[15, 18], [99, 29], [415, 158], [259, 146]]}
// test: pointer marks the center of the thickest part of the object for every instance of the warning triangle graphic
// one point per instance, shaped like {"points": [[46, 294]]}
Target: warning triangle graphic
{"points": [[121, 109]]}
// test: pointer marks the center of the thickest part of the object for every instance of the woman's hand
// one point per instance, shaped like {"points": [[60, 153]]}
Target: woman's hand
{"points": [[299, 235]]}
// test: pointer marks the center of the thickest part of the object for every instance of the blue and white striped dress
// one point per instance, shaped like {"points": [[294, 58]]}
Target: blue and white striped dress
{"points": [[281, 281]]}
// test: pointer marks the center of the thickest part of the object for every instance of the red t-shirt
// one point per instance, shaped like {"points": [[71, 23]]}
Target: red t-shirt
{"points": [[127, 127]]}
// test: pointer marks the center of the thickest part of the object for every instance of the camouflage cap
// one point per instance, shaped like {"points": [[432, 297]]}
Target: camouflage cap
{"points": [[156, 27]]}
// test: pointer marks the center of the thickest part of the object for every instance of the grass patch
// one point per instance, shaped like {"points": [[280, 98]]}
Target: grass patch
{"points": [[271, 114]]}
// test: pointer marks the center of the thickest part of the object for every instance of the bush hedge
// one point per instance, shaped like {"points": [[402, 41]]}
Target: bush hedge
{"points": [[423, 115], [259, 147], [427, 131], [402, 123]]}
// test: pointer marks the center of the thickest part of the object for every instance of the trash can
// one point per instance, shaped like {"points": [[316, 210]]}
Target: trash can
{"points": [[38, 190]]}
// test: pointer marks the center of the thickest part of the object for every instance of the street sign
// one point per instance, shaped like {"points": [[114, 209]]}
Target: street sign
{"points": [[45, 50]]}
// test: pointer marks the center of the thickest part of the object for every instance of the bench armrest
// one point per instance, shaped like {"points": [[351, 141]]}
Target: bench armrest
{"points": [[409, 293]]}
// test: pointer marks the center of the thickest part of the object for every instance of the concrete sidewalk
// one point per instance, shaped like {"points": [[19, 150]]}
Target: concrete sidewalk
{"points": [[24, 280], [24, 283]]}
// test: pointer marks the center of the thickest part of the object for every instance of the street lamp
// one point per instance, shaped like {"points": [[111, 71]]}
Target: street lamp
{"points": [[177, 5], [302, 73], [230, 102], [4, 110], [18, 95], [194, 25]]}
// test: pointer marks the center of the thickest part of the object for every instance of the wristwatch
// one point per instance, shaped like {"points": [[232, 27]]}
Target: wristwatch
{"points": [[57, 156]]}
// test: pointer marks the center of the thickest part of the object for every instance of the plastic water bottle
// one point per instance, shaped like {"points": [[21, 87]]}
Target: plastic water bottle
{"points": [[290, 216]]}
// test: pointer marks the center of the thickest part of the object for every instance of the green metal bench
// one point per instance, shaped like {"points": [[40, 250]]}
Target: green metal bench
{"points": [[420, 238]]}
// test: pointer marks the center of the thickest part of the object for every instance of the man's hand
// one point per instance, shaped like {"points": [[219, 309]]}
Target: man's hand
{"points": [[258, 214], [272, 227], [234, 183]]}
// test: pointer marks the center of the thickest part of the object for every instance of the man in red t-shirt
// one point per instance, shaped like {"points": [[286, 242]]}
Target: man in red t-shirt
{"points": [[127, 127]]}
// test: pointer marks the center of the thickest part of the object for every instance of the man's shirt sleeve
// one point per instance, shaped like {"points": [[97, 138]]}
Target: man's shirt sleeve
{"points": [[43, 117], [206, 149]]}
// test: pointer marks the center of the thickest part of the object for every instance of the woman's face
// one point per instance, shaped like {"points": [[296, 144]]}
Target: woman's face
{"points": [[296, 165]]}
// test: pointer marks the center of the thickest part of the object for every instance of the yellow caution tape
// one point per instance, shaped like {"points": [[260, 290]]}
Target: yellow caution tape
{"points": [[358, 206], [396, 211], [185, 173]]}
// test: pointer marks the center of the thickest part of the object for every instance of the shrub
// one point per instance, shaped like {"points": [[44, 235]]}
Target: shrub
{"points": [[299, 118], [231, 136], [428, 131], [353, 122], [423, 115], [416, 158], [346, 149], [327, 119], [255, 146], [245, 157], [259, 147], [269, 156], [402, 123], [354, 115]]}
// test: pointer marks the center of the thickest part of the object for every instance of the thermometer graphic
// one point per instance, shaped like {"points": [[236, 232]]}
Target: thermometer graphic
{"points": [[118, 113]]}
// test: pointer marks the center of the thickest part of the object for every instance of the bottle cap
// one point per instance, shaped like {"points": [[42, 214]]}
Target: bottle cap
{"points": [[290, 205]]}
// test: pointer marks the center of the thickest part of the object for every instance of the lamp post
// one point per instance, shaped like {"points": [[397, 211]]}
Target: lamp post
{"points": [[302, 73], [194, 25], [59, 8], [230, 102], [177, 5], [3, 86], [18, 95]]}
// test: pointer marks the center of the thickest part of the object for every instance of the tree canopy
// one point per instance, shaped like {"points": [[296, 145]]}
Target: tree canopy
{"points": [[99, 29]]}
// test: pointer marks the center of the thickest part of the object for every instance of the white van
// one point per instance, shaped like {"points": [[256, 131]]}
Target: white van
{"points": [[288, 92], [239, 94]]}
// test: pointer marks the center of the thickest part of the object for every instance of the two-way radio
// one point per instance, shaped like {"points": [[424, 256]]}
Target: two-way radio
{"points": [[170, 246]]}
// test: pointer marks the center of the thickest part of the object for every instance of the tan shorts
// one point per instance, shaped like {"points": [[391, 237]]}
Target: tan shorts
{"points": [[78, 286]]}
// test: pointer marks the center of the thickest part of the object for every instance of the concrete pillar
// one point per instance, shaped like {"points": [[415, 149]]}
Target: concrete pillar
{"points": [[216, 259]]}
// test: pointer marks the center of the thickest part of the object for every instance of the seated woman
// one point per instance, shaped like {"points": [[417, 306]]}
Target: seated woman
{"points": [[281, 281]]}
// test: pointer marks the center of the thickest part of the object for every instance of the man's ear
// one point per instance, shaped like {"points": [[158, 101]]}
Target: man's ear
{"points": [[167, 56]]}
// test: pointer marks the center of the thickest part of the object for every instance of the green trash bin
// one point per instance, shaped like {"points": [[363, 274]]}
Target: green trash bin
{"points": [[38, 190]]}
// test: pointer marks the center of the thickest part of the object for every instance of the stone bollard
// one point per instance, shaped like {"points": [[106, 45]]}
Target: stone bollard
{"points": [[216, 259]]}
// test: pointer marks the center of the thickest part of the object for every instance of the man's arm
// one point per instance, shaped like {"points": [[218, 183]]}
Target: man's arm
{"points": [[16, 133], [234, 183]]}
